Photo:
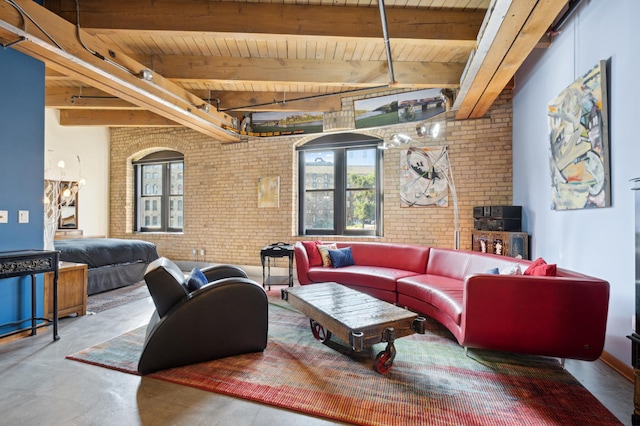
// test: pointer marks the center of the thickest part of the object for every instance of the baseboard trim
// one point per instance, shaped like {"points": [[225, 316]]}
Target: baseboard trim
{"points": [[623, 369], [19, 334]]}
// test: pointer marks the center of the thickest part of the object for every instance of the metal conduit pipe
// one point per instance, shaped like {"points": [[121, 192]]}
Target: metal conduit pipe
{"points": [[383, 18]]}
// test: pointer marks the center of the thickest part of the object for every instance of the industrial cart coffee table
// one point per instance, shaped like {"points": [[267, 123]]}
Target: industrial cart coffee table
{"points": [[354, 317]]}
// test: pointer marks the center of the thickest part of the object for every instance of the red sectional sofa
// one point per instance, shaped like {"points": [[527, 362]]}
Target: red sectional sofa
{"points": [[563, 316]]}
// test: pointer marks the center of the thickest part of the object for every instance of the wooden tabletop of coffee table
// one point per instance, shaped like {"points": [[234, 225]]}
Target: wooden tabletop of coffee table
{"points": [[354, 317]]}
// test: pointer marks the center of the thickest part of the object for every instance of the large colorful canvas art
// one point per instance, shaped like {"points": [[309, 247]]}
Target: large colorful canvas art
{"points": [[423, 177], [579, 138]]}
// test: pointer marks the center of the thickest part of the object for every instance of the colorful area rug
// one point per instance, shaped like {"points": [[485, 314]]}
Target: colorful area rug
{"points": [[432, 382]]}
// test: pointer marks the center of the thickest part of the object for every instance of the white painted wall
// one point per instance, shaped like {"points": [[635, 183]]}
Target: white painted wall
{"points": [[598, 242], [91, 144]]}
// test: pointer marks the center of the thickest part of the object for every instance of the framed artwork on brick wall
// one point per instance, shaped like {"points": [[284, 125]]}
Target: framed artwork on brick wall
{"points": [[423, 180], [579, 141], [269, 191], [399, 108]]}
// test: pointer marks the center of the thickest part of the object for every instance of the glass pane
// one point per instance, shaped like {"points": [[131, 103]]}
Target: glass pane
{"points": [[151, 213], [177, 180], [361, 168], [318, 210], [361, 209], [319, 170], [152, 179], [175, 213]]}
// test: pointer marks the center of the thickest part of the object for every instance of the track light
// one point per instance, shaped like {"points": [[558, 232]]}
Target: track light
{"points": [[204, 107], [425, 129], [146, 74], [386, 145], [400, 139]]}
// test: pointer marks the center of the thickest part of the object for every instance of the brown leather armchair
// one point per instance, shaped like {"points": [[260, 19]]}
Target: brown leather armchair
{"points": [[225, 317]]}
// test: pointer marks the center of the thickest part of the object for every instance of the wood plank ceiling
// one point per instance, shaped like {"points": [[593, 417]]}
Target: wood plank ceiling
{"points": [[266, 55]]}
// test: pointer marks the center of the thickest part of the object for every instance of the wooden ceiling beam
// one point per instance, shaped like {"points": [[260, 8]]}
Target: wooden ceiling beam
{"points": [[272, 101], [83, 98], [180, 68], [503, 24], [287, 101], [114, 118], [264, 18], [53, 75], [512, 30], [90, 98], [538, 22], [90, 61]]}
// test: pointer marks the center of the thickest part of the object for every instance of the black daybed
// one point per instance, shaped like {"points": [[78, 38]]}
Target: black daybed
{"points": [[111, 262]]}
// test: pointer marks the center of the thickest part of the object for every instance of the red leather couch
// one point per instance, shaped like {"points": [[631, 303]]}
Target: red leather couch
{"points": [[562, 316]]}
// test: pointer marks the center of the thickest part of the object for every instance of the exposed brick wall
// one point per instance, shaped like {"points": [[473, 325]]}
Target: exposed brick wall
{"points": [[221, 186]]}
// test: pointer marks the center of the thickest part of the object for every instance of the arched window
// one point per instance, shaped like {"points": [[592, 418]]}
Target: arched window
{"points": [[159, 192]]}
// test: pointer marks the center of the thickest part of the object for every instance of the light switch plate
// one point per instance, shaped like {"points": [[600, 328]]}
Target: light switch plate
{"points": [[4, 216], [23, 216]]}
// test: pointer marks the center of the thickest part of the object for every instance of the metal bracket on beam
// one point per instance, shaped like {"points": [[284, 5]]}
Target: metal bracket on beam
{"points": [[19, 40]]}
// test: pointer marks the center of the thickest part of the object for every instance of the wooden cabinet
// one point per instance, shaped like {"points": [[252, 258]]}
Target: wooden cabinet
{"points": [[63, 234], [72, 290], [513, 244]]}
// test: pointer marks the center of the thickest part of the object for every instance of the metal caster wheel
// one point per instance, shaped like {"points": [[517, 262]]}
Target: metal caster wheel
{"points": [[383, 362], [319, 332]]}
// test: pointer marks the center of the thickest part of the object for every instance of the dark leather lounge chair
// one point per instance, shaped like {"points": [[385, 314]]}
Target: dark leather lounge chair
{"points": [[227, 316]]}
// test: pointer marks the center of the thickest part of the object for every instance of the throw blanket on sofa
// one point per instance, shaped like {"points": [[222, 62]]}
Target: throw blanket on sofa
{"points": [[111, 262], [96, 252]]}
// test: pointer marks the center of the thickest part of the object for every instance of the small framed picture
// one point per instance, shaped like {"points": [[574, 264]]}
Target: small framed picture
{"points": [[480, 243], [519, 245], [498, 246]]}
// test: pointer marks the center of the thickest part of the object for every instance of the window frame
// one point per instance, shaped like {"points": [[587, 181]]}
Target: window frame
{"points": [[340, 144], [165, 159]]}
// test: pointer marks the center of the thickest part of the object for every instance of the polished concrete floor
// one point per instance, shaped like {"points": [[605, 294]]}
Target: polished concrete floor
{"points": [[40, 387]]}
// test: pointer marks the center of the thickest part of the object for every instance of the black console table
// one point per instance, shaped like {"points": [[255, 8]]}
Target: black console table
{"points": [[32, 262], [276, 250]]}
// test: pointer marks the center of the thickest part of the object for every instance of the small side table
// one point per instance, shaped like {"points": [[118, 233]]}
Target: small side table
{"points": [[274, 251], [72, 290]]}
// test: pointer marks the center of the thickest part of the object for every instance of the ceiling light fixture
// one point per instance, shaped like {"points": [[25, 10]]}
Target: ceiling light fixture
{"points": [[400, 139], [428, 129], [386, 145], [204, 107], [146, 74]]}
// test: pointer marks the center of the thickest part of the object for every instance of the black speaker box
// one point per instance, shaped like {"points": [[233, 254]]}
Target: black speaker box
{"points": [[498, 212], [490, 224]]}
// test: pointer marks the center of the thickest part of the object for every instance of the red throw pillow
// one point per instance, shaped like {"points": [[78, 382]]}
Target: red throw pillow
{"points": [[548, 270], [539, 261], [541, 268], [312, 252]]}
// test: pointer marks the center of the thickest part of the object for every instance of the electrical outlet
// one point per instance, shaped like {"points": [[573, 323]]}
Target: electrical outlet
{"points": [[23, 216], [4, 216]]}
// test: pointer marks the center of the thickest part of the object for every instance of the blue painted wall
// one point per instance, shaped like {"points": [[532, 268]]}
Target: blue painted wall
{"points": [[21, 173]]}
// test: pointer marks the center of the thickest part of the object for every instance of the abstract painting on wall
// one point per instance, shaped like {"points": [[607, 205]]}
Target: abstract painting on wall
{"points": [[423, 180], [579, 142], [269, 191]]}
